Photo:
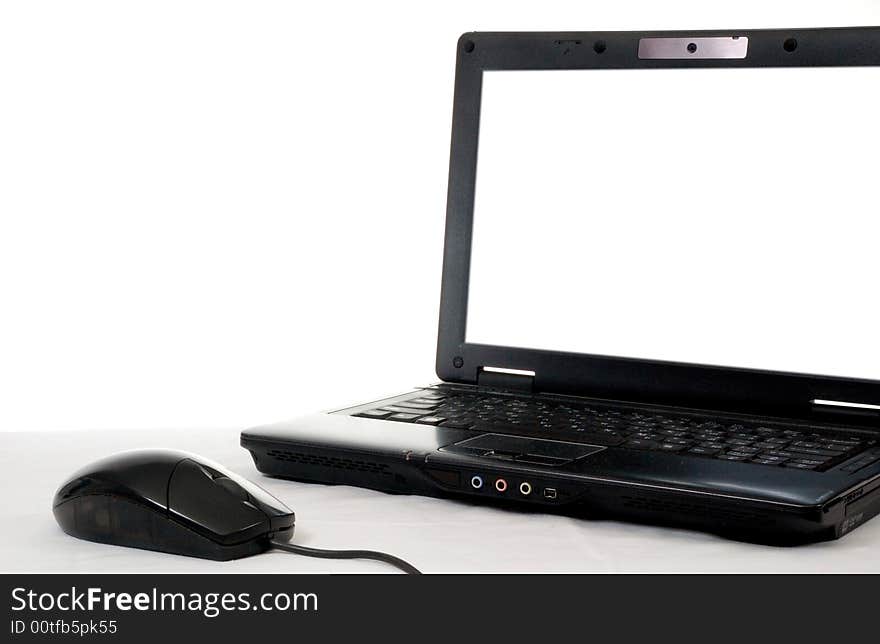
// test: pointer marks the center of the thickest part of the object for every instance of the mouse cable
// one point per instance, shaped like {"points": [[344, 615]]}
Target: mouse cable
{"points": [[348, 554]]}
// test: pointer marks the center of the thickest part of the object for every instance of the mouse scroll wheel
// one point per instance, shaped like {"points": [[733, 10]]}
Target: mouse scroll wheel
{"points": [[232, 487]]}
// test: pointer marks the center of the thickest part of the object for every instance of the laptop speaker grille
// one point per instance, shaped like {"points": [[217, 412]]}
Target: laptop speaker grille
{"points": [[672, 506], [335, 462]]}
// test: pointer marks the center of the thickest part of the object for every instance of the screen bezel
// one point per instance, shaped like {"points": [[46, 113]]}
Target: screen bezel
{"points": [[619, 378]]}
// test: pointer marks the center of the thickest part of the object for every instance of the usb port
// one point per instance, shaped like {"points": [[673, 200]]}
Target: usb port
{"points": [[549, 492]]}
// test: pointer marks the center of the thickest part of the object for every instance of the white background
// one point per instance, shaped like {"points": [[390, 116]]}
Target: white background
{"points": [[218, 214], [714, 216], [227, 213]]}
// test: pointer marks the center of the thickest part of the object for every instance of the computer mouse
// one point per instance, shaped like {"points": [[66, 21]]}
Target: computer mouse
{"points": [[171, 501]]}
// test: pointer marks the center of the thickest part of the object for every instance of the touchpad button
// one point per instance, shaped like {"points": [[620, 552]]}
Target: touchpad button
{"points": [[521, 449]]}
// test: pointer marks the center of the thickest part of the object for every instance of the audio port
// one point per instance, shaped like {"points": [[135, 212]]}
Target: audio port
{"points": [[525, 488], [476, 482], [501, 485]]}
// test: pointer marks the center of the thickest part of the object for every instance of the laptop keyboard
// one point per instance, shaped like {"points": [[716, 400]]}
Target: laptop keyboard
{"points": [[771, 445]]}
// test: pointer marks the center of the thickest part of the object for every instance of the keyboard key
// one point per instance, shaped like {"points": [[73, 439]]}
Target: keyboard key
{"points": [[847, 442], [641, 444], [744, 449], [772, 457], [806, 444], [430, 420], [739, 453], [814, 452], [835, 447], [809, 461], [396, 409], [374, 413], [408, 404], [780, 452], [763, 461], [767, 446], [404, 417]]}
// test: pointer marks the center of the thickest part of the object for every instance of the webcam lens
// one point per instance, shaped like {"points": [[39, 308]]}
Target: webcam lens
{"points": [[692, 47]]}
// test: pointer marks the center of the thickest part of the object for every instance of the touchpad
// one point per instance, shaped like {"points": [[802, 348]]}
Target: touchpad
{"points": [[520, 449]]}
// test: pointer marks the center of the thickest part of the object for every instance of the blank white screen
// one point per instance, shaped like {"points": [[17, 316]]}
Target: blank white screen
{"points": [[712, 216]]}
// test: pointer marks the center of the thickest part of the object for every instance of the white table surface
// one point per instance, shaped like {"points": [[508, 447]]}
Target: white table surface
{"points": [[434, 534]]}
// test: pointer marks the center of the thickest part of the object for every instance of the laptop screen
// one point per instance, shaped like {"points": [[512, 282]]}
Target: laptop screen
{"points": [[713, 216]]}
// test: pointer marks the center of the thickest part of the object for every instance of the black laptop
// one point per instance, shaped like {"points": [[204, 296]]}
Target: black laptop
{"points": [[659, 297]]}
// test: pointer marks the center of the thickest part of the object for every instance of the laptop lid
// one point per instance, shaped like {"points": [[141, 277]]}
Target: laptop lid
{"points": [[677, 217]]}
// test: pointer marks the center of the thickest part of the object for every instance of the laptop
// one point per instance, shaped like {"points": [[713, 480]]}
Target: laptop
{"points": [[659, 298]]}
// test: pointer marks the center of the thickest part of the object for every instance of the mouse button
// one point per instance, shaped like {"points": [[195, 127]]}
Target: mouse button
{"points": [[194, 496], [208, 470], [256, 495], [280, 516], [266, 502], [137, 474], [257, 498], [232, 487]]}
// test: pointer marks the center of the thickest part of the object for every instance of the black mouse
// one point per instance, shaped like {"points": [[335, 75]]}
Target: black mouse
{"points": [[171, 501]]}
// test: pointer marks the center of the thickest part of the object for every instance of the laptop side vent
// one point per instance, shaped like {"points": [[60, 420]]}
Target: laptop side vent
{"points": [[335, 462], [672, 506]]}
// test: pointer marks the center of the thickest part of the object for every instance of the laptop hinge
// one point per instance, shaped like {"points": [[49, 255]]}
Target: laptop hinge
{"points": [[501, 378], [847, 411]]}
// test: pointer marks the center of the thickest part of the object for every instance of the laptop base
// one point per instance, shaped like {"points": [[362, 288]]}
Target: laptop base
{"points": [[737, 521], [576, 479]]}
